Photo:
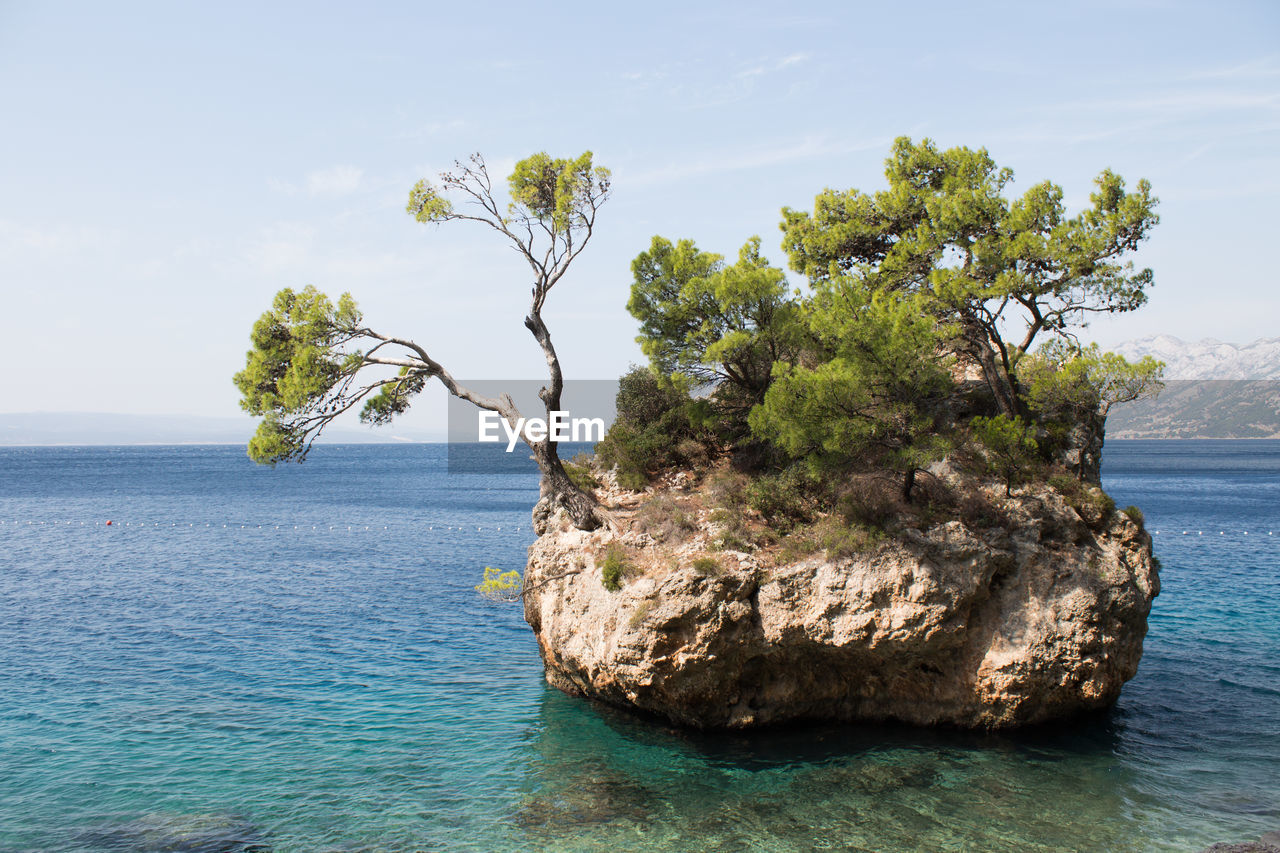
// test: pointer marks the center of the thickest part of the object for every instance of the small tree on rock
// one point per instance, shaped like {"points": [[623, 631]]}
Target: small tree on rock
{"points": [[1010, 445], [1009, 272], [714, 324], [1071, 389], [311, 360]]}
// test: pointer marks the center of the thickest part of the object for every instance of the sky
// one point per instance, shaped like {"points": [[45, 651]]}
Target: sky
{"points": [[166, 168]]}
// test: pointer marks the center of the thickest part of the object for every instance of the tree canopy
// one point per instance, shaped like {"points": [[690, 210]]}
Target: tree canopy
{"points": [[944, 228], [876, 393], [712, 323], [912, 287], [1065, 381]]}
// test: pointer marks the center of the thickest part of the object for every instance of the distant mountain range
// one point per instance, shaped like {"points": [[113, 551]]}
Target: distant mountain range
{"points": [[1212, 390], [1209, 358]]}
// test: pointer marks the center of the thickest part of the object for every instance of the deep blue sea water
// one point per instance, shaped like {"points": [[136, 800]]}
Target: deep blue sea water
{"points": [[295, 660]]}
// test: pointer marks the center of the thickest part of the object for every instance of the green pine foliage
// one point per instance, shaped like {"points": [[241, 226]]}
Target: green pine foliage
{"points": [[910, 287], [1010, 446], [877, 397], [716, 326], [499, 585], [944, 229], [581, 473], [298, 358]]}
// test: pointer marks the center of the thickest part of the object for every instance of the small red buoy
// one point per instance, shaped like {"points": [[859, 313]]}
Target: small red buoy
{"points": [[108, 524]]}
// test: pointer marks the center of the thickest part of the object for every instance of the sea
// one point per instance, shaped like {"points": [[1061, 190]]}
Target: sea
{"points": [[200, 654]]}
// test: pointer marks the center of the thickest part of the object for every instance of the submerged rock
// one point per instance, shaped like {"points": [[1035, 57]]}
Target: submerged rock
{"points": [[179, 833], [592, 798], [1036, 621]]}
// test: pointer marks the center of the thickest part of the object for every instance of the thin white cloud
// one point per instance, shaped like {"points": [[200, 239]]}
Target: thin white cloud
{"points": [[283, 247], [58, 239], [423, 132], [278, 186], [768, 67], [336, 180], [745, 160], [1258, 69]]}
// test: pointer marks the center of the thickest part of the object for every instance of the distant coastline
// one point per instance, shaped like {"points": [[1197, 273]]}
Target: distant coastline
{"points": [[1187, 409], [1202, 408], [98, 429]]}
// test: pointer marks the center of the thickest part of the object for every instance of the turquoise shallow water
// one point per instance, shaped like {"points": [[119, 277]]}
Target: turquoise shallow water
{"points": [[171, 683]]}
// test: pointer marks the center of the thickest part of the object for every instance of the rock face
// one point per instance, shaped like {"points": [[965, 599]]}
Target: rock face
{"points": [[1083, 451], [1033, 621]]}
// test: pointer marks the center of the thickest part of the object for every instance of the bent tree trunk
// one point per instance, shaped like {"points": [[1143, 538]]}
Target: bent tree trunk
{"points": [[977, 344], [998, 380], [549, 221], [557, 491]]}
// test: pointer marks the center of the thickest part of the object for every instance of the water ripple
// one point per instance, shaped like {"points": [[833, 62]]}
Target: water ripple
{"points": [[175, 684]]}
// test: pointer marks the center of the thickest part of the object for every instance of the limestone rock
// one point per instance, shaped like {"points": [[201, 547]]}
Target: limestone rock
{"points": [[1035, 621]]}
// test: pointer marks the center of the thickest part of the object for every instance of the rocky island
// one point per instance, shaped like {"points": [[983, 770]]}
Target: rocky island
{"points": [[864, 503], [1018, 611], [875, 497]]}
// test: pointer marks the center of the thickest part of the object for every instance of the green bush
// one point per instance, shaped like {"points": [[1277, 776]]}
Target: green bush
{"points": [[580, 473], [1102, 502], [842, 541], [727, 489], [838, 539], [644, 397], [499, 585], [653, 431], [784, 499], [1091, 502], [869, 502], [1135, 514], [1064, 484], [693, 451], [1009, 446], [631, 453], [615, 567], [736, 534], [641, 613], [708, 566]]}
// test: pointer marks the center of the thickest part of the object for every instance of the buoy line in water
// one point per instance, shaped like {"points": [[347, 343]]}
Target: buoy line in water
{"points": [[444, 528], [1201, 533]]}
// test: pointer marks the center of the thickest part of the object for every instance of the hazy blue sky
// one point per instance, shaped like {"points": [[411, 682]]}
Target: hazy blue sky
{"points": [[166, 167]]}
